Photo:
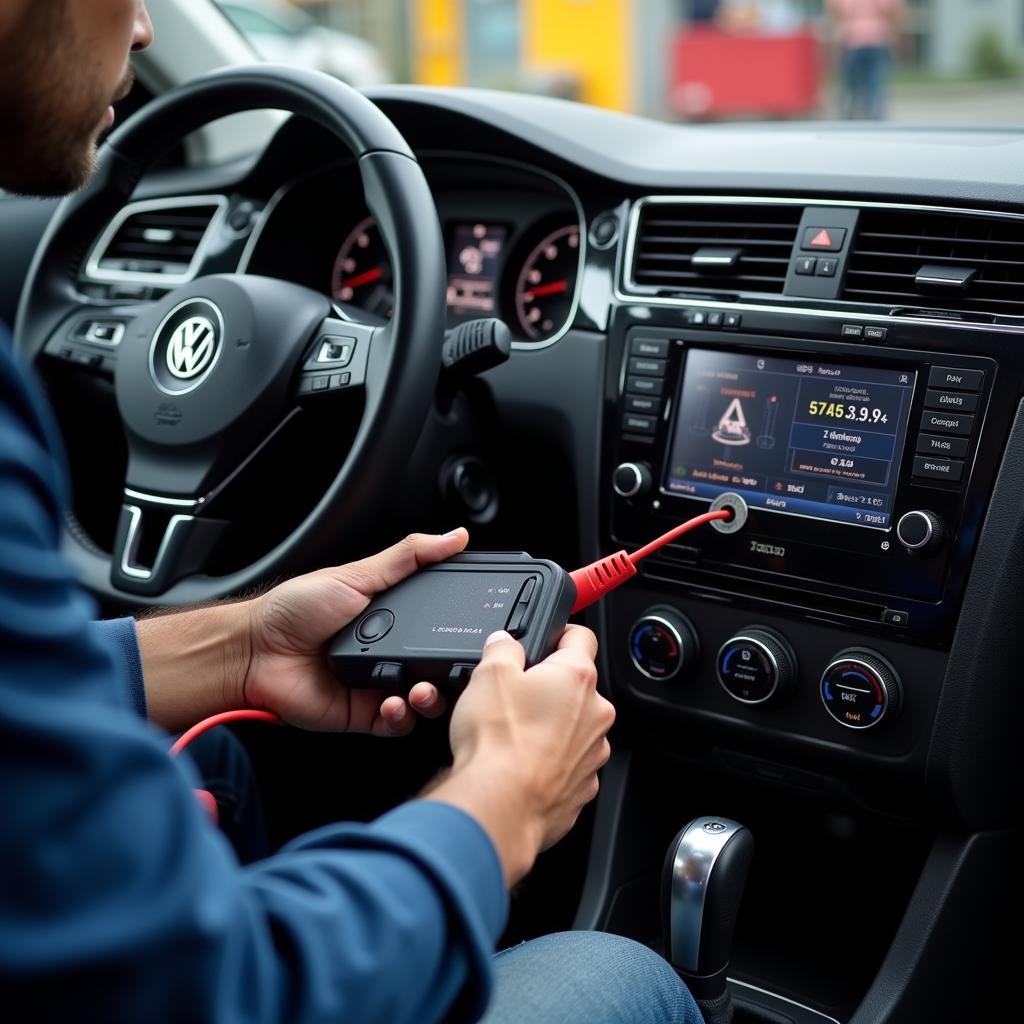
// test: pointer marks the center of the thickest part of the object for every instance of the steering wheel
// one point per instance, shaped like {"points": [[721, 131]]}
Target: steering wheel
{"points": [[208, 373]]}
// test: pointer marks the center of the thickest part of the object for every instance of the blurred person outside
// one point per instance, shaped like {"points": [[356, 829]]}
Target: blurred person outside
{"points": [[867, 31], [701, 12]]}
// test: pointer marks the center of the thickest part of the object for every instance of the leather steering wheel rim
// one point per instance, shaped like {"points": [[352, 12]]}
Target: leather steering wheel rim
{"points": [[404, 356]]}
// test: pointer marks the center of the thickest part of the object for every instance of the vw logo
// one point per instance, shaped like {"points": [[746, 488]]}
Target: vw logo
{"points": [[191, 348], [186, 346]]}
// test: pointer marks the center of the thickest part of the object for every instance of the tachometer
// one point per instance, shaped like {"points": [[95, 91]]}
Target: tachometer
{"points": [[362, 271], [547, 283]]}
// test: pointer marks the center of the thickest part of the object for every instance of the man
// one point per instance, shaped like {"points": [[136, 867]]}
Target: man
{"points": [[867, 32], [119, 901]]}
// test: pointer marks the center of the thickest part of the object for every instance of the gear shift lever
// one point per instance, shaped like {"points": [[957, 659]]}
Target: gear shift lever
{"points": [[702, 885]]}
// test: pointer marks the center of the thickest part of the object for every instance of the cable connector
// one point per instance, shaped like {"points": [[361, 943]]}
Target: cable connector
{"points": [[599, 578], [595, 580]]}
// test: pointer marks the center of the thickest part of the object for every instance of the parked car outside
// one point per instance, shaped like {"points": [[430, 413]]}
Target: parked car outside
{"points": [[283, 34]]}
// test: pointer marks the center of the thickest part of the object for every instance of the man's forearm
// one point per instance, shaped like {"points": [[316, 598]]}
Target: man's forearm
{"points": [[194, 663]]}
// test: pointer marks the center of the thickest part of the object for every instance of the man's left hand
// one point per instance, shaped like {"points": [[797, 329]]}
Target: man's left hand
{"points": [[268, 652], [291, 624]]}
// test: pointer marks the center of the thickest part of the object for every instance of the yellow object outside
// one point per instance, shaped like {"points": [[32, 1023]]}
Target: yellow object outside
{"points": [[591, 40], [438, 42]]}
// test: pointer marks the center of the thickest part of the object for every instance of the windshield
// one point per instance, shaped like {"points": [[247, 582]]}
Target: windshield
{"points": [[910, 61]]}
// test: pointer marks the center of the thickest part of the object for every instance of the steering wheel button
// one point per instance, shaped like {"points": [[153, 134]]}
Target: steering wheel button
{"points": [[335, 350], [375, 625]]}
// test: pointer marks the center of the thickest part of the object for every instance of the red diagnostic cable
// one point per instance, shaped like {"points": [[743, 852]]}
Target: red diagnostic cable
{"points": [[597, 579], [206, 799], [197, 730]]}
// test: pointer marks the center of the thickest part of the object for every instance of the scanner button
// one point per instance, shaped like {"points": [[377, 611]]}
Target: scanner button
{"points": [[522, 609], [375, 625], [460, 673], [387, 673]]}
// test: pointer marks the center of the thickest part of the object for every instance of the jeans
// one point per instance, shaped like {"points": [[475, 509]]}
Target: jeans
{"points": [[587, 978], [865, 69], [568, 978]]}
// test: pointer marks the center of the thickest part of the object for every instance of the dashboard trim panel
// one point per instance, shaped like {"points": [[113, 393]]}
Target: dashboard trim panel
{"points": [[624, 281]]}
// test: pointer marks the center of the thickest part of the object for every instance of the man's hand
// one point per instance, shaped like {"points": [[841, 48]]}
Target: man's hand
{"points": [[291, 624], [527, 745], [268, 652]]}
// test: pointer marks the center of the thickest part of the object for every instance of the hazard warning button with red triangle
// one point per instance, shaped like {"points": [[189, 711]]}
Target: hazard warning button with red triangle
{"points": [[823, 239]]}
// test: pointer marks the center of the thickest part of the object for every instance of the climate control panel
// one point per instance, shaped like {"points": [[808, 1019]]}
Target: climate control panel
{"points": [[757, 667]]}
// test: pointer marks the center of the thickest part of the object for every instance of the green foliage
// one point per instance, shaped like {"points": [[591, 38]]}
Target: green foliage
{"points": [[989, 55]]}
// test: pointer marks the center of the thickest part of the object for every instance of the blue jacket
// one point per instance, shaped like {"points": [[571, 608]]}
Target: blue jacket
{"points": [[119, 901]]}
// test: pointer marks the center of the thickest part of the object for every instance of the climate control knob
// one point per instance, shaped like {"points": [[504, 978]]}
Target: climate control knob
{"points": [[632, 479], [919, 531], [662, 644], [860, 689], [756, 665]]}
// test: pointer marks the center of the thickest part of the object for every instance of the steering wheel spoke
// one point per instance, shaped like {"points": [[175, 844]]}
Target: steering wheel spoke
{"points": [[159, 541]]}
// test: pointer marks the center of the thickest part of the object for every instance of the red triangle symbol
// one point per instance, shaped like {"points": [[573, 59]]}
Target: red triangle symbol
{"points": [[822, 238]]}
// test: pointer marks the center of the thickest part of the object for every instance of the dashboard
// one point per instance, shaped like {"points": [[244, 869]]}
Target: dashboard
{"points": [[824, 320]]}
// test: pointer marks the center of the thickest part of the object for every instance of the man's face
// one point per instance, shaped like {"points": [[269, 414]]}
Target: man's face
{"points": [[62, 64]]}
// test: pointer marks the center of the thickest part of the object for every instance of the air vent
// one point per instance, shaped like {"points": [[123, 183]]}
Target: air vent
{"points": [[739, 247], [158, 242], [982, 255]]}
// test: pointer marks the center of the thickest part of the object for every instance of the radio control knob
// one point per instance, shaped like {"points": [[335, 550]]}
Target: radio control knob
{"points": [[756, 665], [632, 479], [860, 689], [919, 531], [663, 643]]}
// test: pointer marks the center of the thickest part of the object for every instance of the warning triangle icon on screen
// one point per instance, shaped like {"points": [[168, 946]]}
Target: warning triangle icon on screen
{"points": [[822, 239]]}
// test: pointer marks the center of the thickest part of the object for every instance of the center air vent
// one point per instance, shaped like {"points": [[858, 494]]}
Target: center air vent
{"points": [[898, 252], [713, 248], [158, 242]]}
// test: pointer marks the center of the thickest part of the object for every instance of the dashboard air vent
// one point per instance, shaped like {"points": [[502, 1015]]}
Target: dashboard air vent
{"points": [[954, 261], [714, 248], [157, 241]]}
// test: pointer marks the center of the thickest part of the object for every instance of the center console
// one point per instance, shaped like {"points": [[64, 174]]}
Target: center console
{"points": [[865, 455]]}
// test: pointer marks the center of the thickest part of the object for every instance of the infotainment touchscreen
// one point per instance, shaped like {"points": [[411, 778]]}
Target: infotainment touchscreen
{"points": [[793, 436]]}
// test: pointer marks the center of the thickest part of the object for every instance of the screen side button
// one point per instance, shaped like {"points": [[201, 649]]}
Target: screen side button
{"points": [[652, 348], [956, 379], [645, 385], [632, 424], [650, 367], [949, 447], [960, 401], [643, 404], [947, 423], [928, 468]]}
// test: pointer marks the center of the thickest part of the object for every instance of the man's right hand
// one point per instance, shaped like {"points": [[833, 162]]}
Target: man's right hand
{"points": [[527, 745]]}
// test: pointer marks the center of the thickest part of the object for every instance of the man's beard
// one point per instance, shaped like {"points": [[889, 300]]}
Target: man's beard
{"points": [[50, 115]]}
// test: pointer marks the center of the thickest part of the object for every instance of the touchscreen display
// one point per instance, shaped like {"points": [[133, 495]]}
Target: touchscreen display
{"points": [[792, 436], [473, 267]]}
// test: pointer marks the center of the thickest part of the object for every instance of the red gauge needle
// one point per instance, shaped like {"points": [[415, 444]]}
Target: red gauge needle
{"points": [[554, 288], [368, 277]]}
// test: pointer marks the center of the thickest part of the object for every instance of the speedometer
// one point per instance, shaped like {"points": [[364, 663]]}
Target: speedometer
{"points": [[362, 271], [547, 283]]}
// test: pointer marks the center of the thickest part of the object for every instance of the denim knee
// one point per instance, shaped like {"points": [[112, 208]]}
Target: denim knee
{"points": [[587, 978]]}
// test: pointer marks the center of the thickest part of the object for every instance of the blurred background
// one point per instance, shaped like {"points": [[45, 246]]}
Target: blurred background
{"points": [[920, 61]]}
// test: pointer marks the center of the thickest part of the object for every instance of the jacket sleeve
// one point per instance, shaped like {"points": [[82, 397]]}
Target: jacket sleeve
{"points": [[120, 902]]}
